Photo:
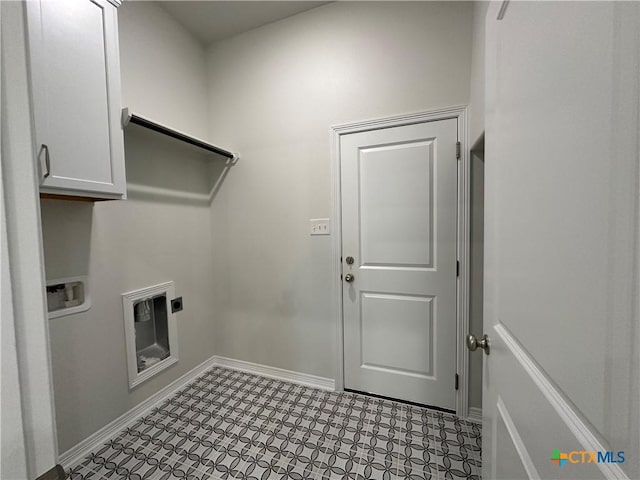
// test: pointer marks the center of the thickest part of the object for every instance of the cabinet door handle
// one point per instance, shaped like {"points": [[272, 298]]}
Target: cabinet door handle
{"points": [[47, 160]]}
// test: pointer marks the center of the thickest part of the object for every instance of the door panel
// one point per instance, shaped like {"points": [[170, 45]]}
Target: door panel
{"points": [[412, 327], [394, 179], [561, 217], [73, 30], [399, 206], [510, 464]]}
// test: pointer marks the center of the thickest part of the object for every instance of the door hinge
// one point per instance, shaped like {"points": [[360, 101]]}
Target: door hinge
{"points": [[457, 378], [457, 268], [458, 150]]}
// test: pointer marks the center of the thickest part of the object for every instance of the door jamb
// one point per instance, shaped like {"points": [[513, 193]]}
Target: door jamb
{"points": [[25, 266], [460, 113]]}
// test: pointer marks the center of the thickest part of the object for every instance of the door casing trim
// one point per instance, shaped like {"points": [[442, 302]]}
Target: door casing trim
{"points": [[460, 113]]}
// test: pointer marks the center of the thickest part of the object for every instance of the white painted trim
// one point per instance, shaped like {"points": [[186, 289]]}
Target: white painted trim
{"points": [[575, 421], [24, 247], [336, 255], [277, 373], [128, 301], [14, 465], [399, 120], [152, 371], [475, 414], [78, 452], [463, 241], [460, 113]]}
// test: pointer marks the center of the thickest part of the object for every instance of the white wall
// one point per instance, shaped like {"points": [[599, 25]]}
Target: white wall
{"points": [[256, 286], [143, 241], [476, 107], [164, 70], [275, 91]]}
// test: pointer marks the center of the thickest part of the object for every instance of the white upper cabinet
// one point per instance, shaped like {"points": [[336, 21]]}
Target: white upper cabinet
{"points": [[75, 82]]}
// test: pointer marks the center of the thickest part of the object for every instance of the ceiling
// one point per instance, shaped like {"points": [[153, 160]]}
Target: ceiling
{"points": [[210, 21]]}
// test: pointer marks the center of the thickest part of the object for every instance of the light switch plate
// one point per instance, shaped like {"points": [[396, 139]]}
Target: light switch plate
{"points": [[319, 226]]}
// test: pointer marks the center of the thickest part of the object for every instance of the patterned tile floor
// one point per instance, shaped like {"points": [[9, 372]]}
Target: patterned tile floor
{"points": [[233, 425]]}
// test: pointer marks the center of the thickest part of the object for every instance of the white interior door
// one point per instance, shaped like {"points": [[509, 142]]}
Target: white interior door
{"points": [[399, 204], [561, 252]]}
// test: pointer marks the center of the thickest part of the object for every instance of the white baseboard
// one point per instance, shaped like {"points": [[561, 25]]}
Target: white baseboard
{"points": [[76, 453], [277, 373], [475, 414]]}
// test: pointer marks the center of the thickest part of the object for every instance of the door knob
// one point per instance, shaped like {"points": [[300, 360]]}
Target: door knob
{"points": [[473, 343], [349, 278]]}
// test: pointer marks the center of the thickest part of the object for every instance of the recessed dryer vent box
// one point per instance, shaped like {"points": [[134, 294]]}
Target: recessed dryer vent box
{"points": [[67, 295], [150, 330]]}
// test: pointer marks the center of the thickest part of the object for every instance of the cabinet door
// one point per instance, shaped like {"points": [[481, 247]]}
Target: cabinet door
{"points": [[75, 82]]}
